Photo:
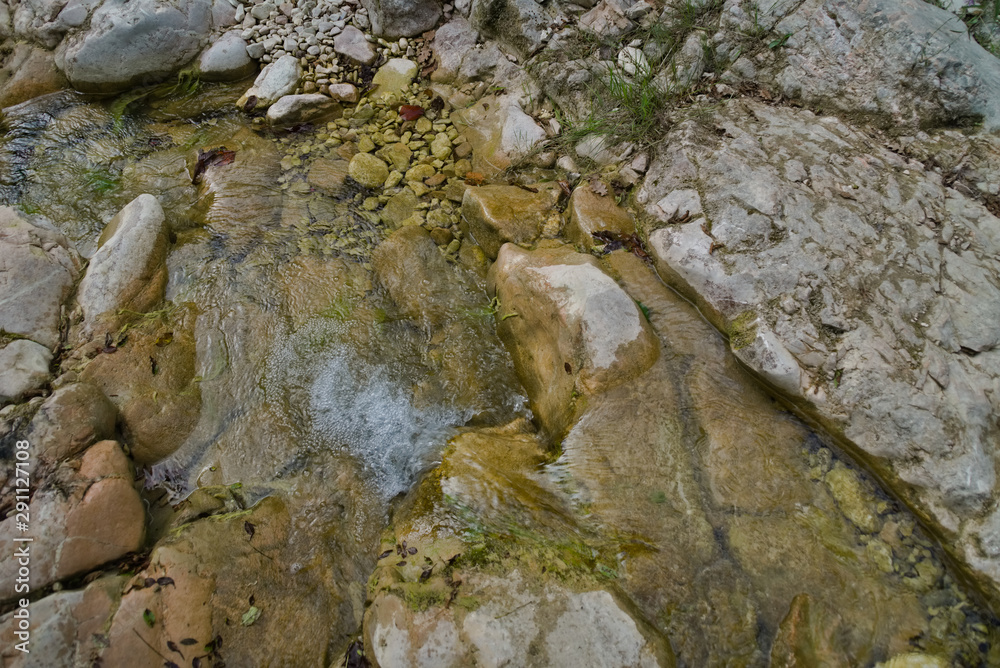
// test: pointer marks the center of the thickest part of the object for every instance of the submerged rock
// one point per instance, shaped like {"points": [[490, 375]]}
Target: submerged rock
{"points": [[151, 379], [38, 267], [368, 170], [129, 270]]}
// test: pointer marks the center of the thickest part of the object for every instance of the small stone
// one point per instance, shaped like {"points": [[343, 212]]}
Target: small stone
{"points": [[368, 170]]}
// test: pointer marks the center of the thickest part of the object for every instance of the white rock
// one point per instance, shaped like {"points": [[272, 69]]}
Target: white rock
{"points": [[276, 80], [24, 366]]}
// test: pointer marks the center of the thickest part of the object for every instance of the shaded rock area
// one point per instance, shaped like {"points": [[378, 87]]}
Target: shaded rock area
{"points": [[24, 367]]}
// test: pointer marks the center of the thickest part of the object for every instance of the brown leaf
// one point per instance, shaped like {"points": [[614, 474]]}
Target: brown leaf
{"points": [[410, 112], [250, 529], [474, 179], [210, 158], [599, 188]]}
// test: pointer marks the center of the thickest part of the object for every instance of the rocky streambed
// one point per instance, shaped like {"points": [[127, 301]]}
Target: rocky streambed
{"points": [[345, 335]]}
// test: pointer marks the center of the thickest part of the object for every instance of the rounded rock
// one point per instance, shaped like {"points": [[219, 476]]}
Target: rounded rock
{"points": [[368, 170]]}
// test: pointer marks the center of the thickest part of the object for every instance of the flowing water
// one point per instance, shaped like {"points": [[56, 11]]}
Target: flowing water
{"points": [[314, 384]]}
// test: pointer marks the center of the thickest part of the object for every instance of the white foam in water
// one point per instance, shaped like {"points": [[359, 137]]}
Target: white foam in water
{"points": [[369, 411]]}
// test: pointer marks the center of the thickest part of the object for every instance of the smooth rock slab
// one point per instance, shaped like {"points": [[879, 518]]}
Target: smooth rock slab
{"points": [[226, 60], [38, 267], [569, 328], [857, 283], [278, 79], [24, 367], [129, 270]]}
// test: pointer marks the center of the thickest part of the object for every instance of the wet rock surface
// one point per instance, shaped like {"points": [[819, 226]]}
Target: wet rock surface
{"points": [[378, 405], [855, 286]]}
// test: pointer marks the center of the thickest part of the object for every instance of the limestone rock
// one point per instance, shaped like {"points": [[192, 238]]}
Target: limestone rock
{"points": [[327, 174], [75, 416], [608, 19], [351, 43], [499, 131], [569, 328], [368, 170], [498, 214], [917, 74], [159, 404], [129, 270], [589, 213], [517, 24], [84, 515], [295, 109], [139, 42], [38, 267], [24, 367], [452, 42], [570, 628], [276, 80], [830, 276], [394, 77], [210, 562], [402, 18], [226, 59]]}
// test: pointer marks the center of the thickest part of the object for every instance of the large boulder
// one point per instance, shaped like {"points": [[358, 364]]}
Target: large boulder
{"points": [[500, 214], [569, 327], [856, 282], [38, 267], [519, 25], [402, 18], [74, 417], [925, 71], [134, 43], [85, 514], [129, 269]]}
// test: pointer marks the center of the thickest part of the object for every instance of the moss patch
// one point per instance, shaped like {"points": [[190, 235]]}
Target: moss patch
{"points": [[742, 330]]}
